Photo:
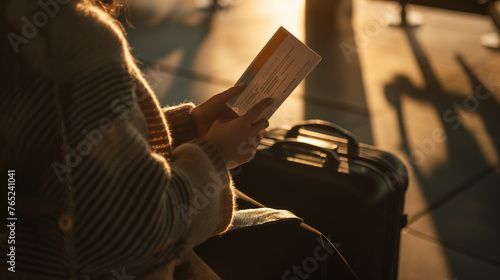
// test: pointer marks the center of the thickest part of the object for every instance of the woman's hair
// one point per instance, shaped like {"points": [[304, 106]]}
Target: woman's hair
{"points": [[112, 7], [10, 68]]}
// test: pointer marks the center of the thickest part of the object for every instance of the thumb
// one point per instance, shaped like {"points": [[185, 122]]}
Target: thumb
{"points": [[231, 92]]}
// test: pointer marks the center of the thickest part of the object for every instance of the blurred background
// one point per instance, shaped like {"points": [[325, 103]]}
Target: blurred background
{"points": [[428, 92]]}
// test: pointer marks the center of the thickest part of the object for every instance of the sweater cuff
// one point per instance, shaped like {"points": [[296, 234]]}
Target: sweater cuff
{"points": [[216, 157], [180, 123], [227, 195]]}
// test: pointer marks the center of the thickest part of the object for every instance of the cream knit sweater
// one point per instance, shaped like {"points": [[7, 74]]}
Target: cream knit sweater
{"points": [[108, 184]]}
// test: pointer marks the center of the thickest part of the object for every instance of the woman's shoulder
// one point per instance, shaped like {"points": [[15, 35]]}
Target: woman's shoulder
{"points": [[65, 37]]}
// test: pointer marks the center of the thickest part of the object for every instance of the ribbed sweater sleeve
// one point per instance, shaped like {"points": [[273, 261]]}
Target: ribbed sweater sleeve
{"points": [[180, 123], [132, 205], [124, 197]]}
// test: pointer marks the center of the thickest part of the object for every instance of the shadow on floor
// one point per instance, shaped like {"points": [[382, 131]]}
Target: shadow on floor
{"points": [[464, 155]]}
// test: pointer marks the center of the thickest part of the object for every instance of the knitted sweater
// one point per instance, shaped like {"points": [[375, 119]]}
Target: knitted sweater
{"points": [[107, 183]]}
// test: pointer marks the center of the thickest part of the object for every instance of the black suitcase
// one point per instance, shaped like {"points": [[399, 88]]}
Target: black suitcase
{"points": [[351, 192]]}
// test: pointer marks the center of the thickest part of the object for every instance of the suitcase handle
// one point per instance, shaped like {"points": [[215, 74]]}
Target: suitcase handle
{"points": [[352, 142], [332, 159]]}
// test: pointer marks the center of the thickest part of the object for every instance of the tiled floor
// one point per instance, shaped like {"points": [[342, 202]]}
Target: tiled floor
{"points": [[430, 94]]}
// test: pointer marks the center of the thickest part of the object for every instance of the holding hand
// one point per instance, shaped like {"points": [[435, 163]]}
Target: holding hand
{"points": [[237, 137], [214, 109]]}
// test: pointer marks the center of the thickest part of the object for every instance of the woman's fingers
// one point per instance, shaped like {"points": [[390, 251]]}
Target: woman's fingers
{"points": [[259, 126], [251, 115], [230, 93], [259, 136], [263, 133], [239, 138]]}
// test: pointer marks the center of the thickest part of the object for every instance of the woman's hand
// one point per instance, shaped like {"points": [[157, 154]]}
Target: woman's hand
{"points": [[215, 108], [238, 139]]}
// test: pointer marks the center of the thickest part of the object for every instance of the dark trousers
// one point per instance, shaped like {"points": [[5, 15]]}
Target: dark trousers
{"points": [[283, 249]]}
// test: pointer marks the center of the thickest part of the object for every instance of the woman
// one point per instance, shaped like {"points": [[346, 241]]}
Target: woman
{"points": [[107, 183]]}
